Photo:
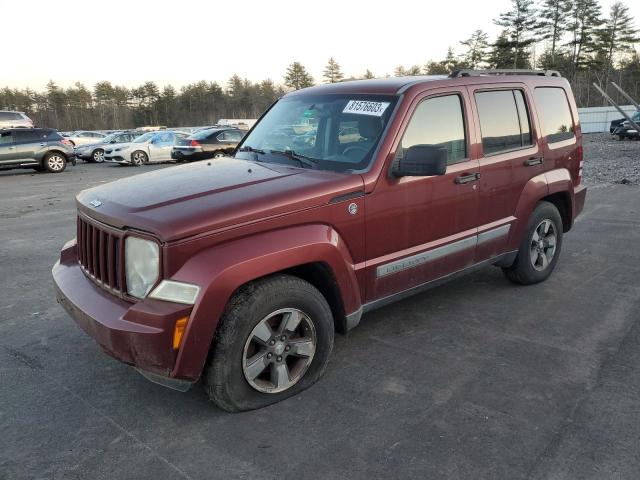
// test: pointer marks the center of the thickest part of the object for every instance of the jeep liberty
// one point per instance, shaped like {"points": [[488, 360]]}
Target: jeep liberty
{"points": [[341, 199]]}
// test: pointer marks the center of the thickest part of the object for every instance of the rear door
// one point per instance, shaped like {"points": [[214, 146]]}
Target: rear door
{"points": [[8, 149], [29, 143], [160, 147], [509, 157]]}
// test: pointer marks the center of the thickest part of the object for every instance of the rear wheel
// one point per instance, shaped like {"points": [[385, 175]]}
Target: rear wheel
{"points": [[219, 154], [54, 162], [274, 341], [540, 248], [98, 155], [139, 157]]}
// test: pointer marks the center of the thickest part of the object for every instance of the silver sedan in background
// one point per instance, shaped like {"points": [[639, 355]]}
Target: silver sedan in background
{"points": [[147, 148]]}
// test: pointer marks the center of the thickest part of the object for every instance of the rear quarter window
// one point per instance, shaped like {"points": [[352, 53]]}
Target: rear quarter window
{"points": [[555, 115]]}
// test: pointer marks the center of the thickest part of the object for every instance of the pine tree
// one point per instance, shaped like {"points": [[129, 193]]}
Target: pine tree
{"points": [[617, 35], [477, 46], [332, 72], [519, 23], [399, 71], [553, 24], [584, 22], [297, 77], [369, 74]]}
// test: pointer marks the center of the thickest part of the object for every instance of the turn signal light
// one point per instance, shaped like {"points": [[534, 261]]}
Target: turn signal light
{"points": [[178, 331]]}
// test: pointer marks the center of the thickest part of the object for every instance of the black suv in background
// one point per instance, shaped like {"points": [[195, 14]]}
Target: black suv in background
{"points": [[209, 143], [42, 149]]}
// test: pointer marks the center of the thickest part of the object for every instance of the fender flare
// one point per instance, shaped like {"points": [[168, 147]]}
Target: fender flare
{"points": [[537, 188], [221, 269]]}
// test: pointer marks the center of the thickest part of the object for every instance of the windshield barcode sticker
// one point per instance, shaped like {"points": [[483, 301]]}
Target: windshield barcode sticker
{"points": [[363, 107]]}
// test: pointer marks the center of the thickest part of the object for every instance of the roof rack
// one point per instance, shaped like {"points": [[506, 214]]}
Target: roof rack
{"points": [[477, 73]]}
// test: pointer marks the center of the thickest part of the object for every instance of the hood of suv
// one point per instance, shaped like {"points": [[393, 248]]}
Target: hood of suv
{"points": [[182, 201]]}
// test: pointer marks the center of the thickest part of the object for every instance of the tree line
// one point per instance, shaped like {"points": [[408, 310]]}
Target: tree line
{"points": [[572, 36]]}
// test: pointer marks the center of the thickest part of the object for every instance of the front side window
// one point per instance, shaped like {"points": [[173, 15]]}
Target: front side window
{"points": [[438, 121], [555, 115], [309, 131], [504, 120]]}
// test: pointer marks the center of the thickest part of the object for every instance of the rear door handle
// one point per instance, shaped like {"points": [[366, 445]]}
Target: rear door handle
{"points": [[533, 161], [43, 144], [468, 178]]}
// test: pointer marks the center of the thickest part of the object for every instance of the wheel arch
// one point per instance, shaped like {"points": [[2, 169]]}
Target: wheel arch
{"points": [[53, 151], [314, 253]]}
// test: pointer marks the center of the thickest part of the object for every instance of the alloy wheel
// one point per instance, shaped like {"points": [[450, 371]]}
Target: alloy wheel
{"points": [[279, 350], [543, 245], [98, 156], [138, 158], [55, 163]]}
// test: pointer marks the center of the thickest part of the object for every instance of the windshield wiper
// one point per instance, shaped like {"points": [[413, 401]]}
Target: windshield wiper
{"points": [[251, 149], [302, 159]]}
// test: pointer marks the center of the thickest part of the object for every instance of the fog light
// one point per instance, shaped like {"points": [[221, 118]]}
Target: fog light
{"points": [[178, 292], [178, 331]]}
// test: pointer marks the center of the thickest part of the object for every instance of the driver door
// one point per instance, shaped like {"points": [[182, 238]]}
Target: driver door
{"points": [[422, 228]]}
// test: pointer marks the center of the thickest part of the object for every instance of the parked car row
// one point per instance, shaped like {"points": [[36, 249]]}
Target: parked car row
{"points": [[49, 150]]}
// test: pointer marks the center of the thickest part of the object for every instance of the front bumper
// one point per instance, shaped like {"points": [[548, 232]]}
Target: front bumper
{"points": [[138, 334], [117, 158]]}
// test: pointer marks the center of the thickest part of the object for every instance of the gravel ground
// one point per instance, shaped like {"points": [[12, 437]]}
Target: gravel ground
{"points": [[608, 160]]}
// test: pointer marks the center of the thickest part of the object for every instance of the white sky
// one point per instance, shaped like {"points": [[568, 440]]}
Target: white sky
{"points": [[130, 42]]}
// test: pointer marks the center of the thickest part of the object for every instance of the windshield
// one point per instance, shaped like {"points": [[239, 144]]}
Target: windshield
{"points": [[109, 138], [144, 138], [329, 132]]}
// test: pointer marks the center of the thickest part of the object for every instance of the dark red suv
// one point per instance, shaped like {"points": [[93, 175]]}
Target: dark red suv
{"points": [[341, 199]]}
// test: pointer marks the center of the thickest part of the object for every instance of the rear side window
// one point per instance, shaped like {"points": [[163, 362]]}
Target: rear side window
{"points": [[5, 137], [555, 115], [438, 121], [29, 135], [504, 120], [10, 116]]}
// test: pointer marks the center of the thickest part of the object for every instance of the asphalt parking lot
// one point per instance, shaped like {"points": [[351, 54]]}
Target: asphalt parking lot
{"points": [[475, 379]]}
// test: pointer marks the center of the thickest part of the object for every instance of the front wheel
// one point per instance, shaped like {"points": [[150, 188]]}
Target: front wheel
{"points": [[540, 248], [138, 158], [274, 341], [98, 155], [219, 154], [55, 162]]}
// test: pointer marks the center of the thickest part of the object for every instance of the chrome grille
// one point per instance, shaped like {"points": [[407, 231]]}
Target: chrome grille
{"points": [[100, 253]]}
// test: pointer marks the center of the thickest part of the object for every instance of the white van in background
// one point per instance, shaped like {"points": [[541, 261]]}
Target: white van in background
{"points": [[10, 119]]}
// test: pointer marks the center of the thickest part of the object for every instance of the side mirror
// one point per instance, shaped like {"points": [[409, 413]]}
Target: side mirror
{"points": [[421, 161]]}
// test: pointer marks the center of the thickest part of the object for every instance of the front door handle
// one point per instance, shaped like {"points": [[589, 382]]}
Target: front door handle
{"points": [[533, 161], [472, 177]]}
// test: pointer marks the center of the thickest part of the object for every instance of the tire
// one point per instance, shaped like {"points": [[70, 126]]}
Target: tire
{"points": [[97, 155], [525, 270], [54, 162], [219, 154], [139, 158], [235, 384]]}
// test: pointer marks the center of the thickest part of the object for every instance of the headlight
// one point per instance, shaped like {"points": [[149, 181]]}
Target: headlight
{"points": [[142, 263], [178, 292]]}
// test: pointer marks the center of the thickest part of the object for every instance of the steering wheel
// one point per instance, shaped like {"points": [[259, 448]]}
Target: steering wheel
{"points": [[355, 148]]}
